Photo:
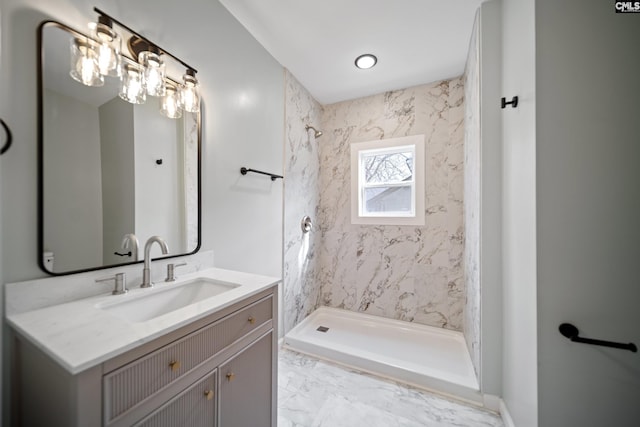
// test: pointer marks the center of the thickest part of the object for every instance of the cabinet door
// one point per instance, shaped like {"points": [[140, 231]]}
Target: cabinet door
{"points": [[194, 407], [246, 386]]}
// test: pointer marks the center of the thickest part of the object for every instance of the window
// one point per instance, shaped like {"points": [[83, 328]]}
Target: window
{"points": [[387, 181]]}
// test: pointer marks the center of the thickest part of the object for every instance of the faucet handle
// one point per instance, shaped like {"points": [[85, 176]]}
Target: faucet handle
{"points": [[171, 276], [120, 283]]}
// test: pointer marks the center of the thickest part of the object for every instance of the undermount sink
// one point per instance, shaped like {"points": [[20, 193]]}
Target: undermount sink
{"points": [[159, 302]]}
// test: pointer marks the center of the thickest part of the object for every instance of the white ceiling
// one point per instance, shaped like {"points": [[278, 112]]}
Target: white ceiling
{"points": [[416, 41]]}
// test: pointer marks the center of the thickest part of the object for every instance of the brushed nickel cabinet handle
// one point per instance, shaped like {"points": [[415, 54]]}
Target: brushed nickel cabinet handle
{"points": [[174, 365], [230, 376], [208, 394]]}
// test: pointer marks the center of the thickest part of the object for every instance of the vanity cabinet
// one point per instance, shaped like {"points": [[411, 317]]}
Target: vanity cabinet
{"points": [[216, 371], [244, 380], [195, 407]]}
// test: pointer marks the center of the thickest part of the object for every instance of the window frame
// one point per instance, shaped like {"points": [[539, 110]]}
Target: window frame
{"points": [[359, 151]]}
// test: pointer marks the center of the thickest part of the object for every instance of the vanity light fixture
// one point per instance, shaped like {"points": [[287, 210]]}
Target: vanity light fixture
{"points": [[132, 88], [141, 74], [170, 104], [109, 45], [154, 71], [84, 63], [190, 92], [366, 61]]}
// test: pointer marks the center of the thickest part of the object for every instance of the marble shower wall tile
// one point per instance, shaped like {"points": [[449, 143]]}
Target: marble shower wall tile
{"points": [[472, 201], [301, 195], [401, 272]]}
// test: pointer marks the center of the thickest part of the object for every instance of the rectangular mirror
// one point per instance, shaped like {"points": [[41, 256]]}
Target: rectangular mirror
{"points": [[109, 168]]}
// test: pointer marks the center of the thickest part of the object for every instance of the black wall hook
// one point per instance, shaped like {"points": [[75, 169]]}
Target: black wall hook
{"points": [[7, 144], [513, 102]]}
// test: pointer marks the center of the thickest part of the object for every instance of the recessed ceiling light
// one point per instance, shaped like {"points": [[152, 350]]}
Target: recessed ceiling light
{"points": [[366, 61]]}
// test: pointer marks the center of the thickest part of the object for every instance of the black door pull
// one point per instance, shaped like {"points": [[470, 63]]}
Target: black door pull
{"points": [[9, 137], [571, 332]]}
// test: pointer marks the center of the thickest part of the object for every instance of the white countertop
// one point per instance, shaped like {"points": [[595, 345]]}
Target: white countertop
{"points": [[79, 335]]}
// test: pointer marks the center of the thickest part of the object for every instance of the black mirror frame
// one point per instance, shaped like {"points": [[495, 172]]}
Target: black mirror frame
{"points": [[40, 63]]}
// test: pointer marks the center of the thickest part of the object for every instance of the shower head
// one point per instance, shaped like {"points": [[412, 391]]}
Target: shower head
{"points": [[317, 133]]}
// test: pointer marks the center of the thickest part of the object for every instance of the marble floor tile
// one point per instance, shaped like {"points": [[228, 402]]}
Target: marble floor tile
{"points": [[315, 393]]}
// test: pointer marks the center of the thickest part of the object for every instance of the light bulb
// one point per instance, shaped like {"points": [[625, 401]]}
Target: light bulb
{"points": [[190, 92], [84, 63], [170, 105], [132, 89], [108, 47], [154, 72], [86, 69]]}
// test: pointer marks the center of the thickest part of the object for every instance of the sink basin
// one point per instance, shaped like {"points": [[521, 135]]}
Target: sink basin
{"points": [[160, 302]]}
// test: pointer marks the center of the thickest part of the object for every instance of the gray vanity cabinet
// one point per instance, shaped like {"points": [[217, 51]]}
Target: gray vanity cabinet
{"points": [[244, 381], [217, 371], [194, 407]]}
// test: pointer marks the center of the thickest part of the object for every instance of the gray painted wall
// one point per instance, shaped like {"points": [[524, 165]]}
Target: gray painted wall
{"points": [[518, 214], [2, 334], [491, 198], [158, 188], [72, 189], [118, 191], [587, 68]]}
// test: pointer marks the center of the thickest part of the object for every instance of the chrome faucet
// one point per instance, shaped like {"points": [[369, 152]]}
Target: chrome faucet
{"points": [[146, 272], [131, 240]]}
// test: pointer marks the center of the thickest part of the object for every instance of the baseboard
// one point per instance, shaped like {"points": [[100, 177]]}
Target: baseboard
{"points": [[491, 402], [506, 416]]}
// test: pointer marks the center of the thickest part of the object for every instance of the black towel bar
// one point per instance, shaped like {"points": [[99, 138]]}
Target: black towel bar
{"points": [[571, 332], [273, 177]]}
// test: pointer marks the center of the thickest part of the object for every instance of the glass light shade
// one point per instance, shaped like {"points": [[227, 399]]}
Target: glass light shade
{"points": [[108, 50], [190, 93], [170, 105], [84, 63], [132, 88], [154, 73]]}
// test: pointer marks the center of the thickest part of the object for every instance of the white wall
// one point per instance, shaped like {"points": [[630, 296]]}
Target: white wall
{"points": [[491, 197], [246, 128], [158, 188], [588, 148], [118, 192], [520, 371], [72, 188]]}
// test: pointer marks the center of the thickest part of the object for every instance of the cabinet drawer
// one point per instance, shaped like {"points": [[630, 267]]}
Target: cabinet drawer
{"points": [[194, 407], [132, 384]]}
